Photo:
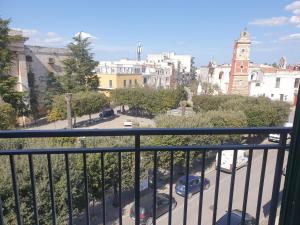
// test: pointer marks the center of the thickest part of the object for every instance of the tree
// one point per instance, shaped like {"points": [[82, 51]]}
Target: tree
{"points": [[209, 88], [83, 103], [79, 67], [7, 82], [33, 99], [7, 116], [53, 88]]}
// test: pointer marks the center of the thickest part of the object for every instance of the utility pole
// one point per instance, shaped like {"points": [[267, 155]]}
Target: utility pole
{"points": [[139, 51], [68, 98]]}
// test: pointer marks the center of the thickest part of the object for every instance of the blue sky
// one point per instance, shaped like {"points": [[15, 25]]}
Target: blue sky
{"points": [[204, 29]]}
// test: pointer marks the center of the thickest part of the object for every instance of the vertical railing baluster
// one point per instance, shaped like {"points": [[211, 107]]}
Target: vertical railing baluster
{"points": [[137, 179], [86, 191], [52, 195], [218, 167], [201, 187], [32, 179], [120, 187], [154, 186], [69, 190], [171, 188], [277, 178], [247, 186], [103, 189], [232, 186], [16, 189], [261, 185], [1, 212], [187, 171]]}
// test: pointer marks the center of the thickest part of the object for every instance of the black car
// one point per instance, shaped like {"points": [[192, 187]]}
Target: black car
{"points": [[146, 207], [106, 113], [236, 218]]}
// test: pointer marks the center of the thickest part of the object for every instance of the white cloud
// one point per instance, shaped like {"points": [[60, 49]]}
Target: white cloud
{"points": [[36, 37], [295, 20], [294, 7], [85, 35], [291, 37], [274, 21]]}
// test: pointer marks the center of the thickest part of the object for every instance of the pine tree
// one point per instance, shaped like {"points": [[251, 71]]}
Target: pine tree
{"points": [[80, 67]]}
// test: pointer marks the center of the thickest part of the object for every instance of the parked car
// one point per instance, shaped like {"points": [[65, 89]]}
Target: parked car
{"points": [[236, 218], [106, 113], [194, 185], [146, 207], [276, 137], [127, 124], [227, 160]]}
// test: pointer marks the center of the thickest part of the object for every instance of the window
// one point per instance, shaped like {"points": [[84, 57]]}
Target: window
{"points": [[281, 97], [257, 84], [296, 84], [110, 83], [277, 82], [135, 82], [272, 95], [130, 83], [124, 83], [145, 80], [221, 75]]}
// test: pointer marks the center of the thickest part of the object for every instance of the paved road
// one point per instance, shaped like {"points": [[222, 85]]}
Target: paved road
{"points": [[116, 122], [193, 203]]}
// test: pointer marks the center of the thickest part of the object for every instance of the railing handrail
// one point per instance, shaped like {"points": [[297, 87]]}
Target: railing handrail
{"points": [[140, 131]]}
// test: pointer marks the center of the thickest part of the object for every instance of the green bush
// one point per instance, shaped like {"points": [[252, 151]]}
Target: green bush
{"points": [[259, 111], [7, 116]]}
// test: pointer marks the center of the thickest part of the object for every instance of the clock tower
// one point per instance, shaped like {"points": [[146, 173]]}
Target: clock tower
{"points": [[238, 81]]}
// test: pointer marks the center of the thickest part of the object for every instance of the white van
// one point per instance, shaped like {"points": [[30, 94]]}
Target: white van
{"points": [[227, 160], [276, 137]]}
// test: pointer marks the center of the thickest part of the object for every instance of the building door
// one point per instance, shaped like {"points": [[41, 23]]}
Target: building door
{"points": [[281, 97]]}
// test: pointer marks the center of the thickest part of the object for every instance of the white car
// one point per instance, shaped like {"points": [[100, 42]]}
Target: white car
{"points": [[227, 160], [276, 137], [127, 124]]}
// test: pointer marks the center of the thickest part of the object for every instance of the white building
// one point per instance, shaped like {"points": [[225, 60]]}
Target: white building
{"points": [[276, 84], [182, 63], [264, 80], [160, 75]]}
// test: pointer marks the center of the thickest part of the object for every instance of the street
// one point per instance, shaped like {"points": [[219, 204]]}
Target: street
{"points": [[193, 203]]}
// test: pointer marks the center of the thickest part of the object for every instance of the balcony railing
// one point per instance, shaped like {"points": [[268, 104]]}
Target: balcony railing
{"points": [[264, 147]]}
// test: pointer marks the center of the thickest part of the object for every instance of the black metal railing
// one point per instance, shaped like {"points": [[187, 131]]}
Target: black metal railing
{"points": [[137, 149]]}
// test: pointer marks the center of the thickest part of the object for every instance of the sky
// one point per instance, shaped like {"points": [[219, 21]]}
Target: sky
{"points": [[204, 29]]}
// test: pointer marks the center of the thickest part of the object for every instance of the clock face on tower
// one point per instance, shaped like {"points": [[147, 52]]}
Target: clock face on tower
{"points": [[243, 53]]}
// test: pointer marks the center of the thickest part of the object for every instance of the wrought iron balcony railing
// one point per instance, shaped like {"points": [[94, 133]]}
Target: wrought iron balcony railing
{"points": [[265, 147]]}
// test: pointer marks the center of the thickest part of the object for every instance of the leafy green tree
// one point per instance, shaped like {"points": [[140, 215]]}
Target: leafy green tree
{"points": [[146, 101], [33, 96], [80, 67], [7, 116], [209, 88], [53, 88], [7, 82]]}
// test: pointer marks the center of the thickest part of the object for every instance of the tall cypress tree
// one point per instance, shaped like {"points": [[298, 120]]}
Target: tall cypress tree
{"points": [[80, 67]]}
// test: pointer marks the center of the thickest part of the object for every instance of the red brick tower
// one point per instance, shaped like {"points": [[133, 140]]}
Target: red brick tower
{"points": [[238, 81]]}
